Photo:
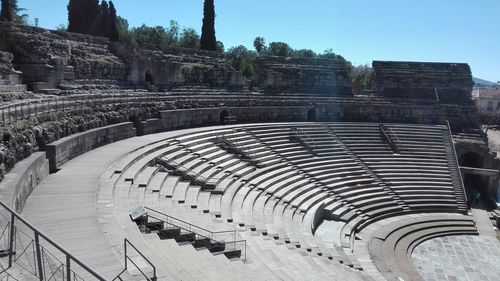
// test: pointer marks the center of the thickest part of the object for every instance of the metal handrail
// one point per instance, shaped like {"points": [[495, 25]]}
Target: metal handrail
{"points": [[234, 242], [38, 233], [190, 224], [456, 160], [126, 257]]}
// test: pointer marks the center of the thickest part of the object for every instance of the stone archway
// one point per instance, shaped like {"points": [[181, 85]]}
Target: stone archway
{"points": [[148, 77], [311, 115], [222, 116]]}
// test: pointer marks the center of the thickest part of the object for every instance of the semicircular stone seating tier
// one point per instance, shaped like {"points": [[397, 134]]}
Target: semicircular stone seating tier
{"points": [[271, 183]]}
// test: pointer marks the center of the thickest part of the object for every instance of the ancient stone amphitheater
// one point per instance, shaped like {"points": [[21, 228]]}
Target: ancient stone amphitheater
{"points": [[148, 163]]}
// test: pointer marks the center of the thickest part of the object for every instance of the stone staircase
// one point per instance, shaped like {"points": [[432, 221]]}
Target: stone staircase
{"points": [[184, 233], [12, 88], [45, 78]]}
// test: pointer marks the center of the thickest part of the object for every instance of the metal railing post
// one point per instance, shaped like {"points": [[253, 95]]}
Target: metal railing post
{"points": [[11, 237], [38, 257], [125, 243], [68, 268]]}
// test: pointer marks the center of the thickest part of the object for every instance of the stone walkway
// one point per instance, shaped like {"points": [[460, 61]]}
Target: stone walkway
{"points": [[483, 222], [63, 206], [458, 258]]}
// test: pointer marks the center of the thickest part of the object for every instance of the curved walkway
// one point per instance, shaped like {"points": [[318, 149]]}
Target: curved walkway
{"points": [[64, 204]]}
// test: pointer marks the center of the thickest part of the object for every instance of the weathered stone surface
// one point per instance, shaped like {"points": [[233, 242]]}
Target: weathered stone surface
{"points": [[166, 67], [16, 187], [60, 151], [6, 66], [302, 76], [44, 55], [448, 83]]}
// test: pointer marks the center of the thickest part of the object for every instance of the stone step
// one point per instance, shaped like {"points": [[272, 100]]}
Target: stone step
{"points": [[13, 88]]}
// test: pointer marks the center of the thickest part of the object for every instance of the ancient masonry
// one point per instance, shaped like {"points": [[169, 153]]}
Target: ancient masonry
{"points": [[300, 179]]}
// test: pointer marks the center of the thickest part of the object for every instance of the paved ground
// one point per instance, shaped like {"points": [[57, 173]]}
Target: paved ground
{"points": [[461, 257], [63, 206]]}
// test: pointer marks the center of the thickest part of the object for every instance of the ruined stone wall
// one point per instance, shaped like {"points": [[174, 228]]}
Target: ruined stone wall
{"points": [[446, 83], [6, 66], [49, 56], [277, 75], [461, 118], [169, 67]]}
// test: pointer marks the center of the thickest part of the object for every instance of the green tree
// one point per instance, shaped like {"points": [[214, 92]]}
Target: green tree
{"points": [[173, 34], [208, 40], [84, 16], [363, 78], [259, 43], [303, 53], [7, 13], [220, 47], [100, 16], [242, 59], [11, 12], [113, 34], [124, 33], [62, 27], [280, 49], [189, 39], [75, 16], [329, 54], [150, 35]]}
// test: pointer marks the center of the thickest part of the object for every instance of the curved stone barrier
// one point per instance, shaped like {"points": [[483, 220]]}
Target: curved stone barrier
{"points": [[18, 184], [69, 147], [391, 246]]}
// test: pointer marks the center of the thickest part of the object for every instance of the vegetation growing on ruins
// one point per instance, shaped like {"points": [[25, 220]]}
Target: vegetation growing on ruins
{"points": [[99, 18], [242, 58], [363, 78], [208, 40]]}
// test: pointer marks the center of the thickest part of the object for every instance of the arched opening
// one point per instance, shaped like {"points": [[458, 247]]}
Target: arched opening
{"points": [[475, 185], [148, 77], [311, 115], [134, 119], [222, 116]]}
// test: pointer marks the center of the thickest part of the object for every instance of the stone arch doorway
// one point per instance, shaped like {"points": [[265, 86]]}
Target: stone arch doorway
{"points": [[222, 116], [473, 183], [148, 77], [311, 115], [134, 119]]}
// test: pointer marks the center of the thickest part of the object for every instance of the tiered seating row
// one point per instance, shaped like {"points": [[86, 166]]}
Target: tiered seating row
{"points": [[353, 175]]}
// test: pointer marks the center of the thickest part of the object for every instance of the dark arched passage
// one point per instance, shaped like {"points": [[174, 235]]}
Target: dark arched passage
{"points": [[311, 115], [473, 183], [222, 116], [148, 77]]}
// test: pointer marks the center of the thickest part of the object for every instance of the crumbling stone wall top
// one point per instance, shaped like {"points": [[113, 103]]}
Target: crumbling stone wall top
{"points": [[302, 76], [443, 82], [90, 56]]}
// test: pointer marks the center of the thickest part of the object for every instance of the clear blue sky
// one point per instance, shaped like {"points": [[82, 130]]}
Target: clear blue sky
{"points": [[360, 30]]}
